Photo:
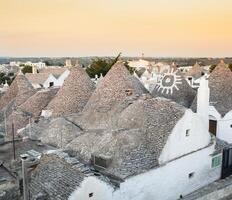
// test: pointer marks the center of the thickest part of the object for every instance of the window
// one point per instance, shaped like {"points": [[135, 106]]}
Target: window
{"points": [[191, 175], [51, 84], [128, 92], [187, 133], [231, 126], [216, 161], [90, 195]]}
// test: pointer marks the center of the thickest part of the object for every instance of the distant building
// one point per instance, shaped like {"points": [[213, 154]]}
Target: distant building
{"points": [[41, 80], [140, 64], [68, 63], [48, 77], [40, 65]]}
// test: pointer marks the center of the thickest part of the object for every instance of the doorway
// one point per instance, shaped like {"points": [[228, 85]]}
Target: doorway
{"points": [[213, 126]]}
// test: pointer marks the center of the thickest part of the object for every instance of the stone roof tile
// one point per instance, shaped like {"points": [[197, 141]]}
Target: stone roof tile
{"points": [[74, 94], [220, 89], [115, 88], [173, 86]]}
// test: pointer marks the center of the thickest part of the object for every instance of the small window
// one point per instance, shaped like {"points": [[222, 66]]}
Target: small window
{"points": [[216, 161], [187, 133], [231, 126], [51, 84], [90, 195], [128, 92], [191, 175]]}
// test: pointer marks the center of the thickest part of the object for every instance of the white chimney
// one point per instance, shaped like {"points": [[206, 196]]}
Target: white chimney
{"points": [[34, 69], [203, 101]]}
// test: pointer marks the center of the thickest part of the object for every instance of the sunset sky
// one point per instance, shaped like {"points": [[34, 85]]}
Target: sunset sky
{"points": [[180, 28]]}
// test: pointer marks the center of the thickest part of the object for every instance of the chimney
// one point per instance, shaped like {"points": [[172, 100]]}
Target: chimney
{"points": [[203, 101], [24, 159], [34, 69]]}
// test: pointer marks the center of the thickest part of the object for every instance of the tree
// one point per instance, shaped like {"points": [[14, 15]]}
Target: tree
{"points": [[130, 69], [212, 67], [101, 66], [230, 66], [27, 69]]}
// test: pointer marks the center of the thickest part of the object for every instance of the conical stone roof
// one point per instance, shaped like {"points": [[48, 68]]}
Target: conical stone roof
{"points": [[20, 90], [141, 134], [116, 88], [173, 86], [196, 71], [220, 89], [60, 132], [36, 103], [74, 94]]}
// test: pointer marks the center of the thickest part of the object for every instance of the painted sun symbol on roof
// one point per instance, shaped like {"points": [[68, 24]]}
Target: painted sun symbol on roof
{"points": [[168, 82]]}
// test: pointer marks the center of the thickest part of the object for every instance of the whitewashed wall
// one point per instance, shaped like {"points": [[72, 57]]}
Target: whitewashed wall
{"points": [[62, 77], [100, 190], [171, 180], [50, 78], [224, 130], [179, 144]]}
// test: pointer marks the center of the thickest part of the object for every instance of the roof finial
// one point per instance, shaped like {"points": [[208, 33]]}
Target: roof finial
{"points": [[6, 84], [222, 61], [20, 72]]}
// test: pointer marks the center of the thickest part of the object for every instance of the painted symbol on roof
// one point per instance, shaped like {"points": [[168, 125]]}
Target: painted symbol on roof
{"points": [[168, 82]]}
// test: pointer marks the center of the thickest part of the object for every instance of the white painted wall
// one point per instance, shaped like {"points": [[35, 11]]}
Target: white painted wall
{"points": [[213, 113], [50, 78], [100, 190], [224, 130], [62, 77], [179, 144], [171, 180]]}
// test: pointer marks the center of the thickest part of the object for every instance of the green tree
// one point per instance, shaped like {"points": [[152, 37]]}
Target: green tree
{"points": [[212, 67], [130, 69], [101, 66], [27, 69], [230, 66]]}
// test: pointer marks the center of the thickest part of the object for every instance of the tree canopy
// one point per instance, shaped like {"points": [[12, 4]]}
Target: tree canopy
{"points": [[27, 69], [4, 77], [212, 67], [101, 66]]}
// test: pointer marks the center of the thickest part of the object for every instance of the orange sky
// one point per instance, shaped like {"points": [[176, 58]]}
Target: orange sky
{"points": [[106, 27]]}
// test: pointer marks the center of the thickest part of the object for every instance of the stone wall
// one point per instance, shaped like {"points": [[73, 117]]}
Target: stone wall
{"points": [[217, 190], [218, 194]]}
